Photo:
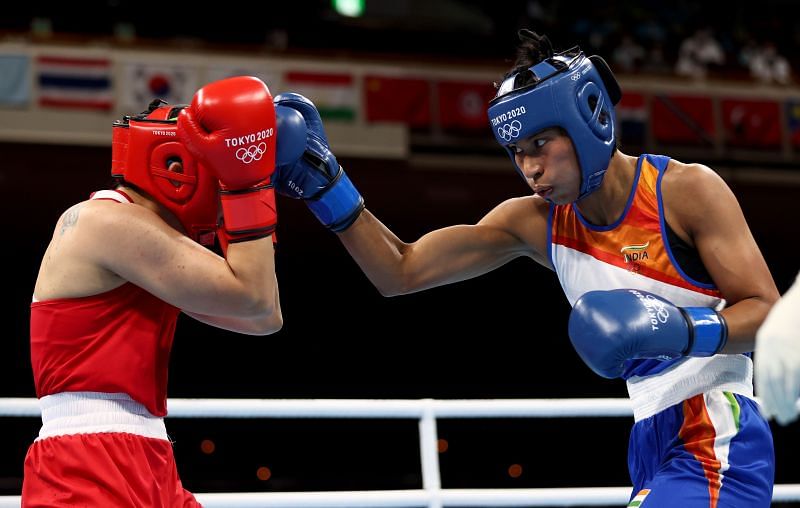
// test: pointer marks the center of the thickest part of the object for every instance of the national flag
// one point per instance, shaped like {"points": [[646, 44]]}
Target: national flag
{"points": [[752, 123], [175, 84], [683, 120], [632, 118], [15, 81], [398, 99], [639, 498], [793, 120], [75, 82], [463, 105], [334, 95]]}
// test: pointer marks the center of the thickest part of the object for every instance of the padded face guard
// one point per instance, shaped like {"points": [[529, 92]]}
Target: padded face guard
{"points": [[144, 146], [569, 91]]}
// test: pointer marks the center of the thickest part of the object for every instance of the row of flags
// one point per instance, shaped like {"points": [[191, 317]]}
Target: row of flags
{"points": [[82, 83], [689, 120]]}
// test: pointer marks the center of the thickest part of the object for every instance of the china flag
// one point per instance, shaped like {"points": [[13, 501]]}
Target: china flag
{"points": [[683, 120], [398, 99]]}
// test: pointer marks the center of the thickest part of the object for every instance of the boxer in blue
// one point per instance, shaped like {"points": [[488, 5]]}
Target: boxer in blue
{"points": [[647, 249]]}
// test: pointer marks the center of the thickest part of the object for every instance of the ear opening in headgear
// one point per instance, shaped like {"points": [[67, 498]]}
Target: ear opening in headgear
{"points": [[176, 181], [593, 100], [610, 82]]}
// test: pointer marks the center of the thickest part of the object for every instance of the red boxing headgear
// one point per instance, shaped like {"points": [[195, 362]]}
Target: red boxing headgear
{"points": [[142, 148]]}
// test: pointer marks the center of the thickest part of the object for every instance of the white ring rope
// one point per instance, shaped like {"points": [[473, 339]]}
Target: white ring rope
{"points": [[366, 408], [579, 496], [426, 411]]}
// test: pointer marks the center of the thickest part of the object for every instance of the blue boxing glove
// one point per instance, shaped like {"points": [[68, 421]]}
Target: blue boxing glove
{"points": [[609, 327], [291, 136], [306, 168]]}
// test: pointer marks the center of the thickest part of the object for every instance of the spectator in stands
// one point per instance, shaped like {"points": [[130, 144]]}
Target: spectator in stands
{"points": [[768, 66], [699, 52], [628, 56], [655, 61]]}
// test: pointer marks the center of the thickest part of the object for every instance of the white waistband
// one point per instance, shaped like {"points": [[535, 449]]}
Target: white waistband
{"points": [[91, 412], [652, 394]]}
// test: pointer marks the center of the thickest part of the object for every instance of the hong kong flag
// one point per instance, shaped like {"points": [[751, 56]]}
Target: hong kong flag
{"points": [[752, 123], [462, 105]]}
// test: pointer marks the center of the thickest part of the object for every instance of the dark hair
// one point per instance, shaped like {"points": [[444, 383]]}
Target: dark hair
{"points": [[532, 49]]}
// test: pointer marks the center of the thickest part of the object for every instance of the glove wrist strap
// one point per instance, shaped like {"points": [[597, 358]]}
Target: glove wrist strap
{"points": [[249, 213], [338, 206], [708, 331]]}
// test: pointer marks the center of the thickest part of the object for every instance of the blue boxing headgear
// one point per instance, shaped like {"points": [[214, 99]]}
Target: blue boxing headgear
{"points": [[567, 90]]}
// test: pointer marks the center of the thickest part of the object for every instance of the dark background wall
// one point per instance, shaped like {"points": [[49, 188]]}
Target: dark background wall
{"points": [[502, 335]]}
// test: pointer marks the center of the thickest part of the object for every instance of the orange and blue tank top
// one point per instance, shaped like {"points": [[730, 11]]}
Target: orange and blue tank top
{"points": [[633, 252]]}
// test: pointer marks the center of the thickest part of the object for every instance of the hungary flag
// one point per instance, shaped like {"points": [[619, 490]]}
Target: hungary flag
{"points": [[334, 94]]}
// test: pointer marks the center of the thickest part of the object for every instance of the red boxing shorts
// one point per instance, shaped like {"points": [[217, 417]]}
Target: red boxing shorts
{"points": [[101, 467]]}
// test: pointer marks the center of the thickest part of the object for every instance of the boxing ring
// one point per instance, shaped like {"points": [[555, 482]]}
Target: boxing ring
{"points": [[426, 411]]}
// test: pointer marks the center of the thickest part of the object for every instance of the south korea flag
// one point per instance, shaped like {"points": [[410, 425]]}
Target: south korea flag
{"points": [[174, 83]]}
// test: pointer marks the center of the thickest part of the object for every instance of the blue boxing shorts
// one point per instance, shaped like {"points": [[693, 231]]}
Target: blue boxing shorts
{"points": [[713, 450]]}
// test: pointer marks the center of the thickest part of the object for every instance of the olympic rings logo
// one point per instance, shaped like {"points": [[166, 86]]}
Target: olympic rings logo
{"points": [[251, 153], [660, 309], [510, 131]]}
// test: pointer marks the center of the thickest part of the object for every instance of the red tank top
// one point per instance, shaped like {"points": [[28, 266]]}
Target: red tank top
{"points": [[114, 342]]}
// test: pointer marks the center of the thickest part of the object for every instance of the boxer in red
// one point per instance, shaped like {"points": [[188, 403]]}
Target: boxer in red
{"points": [[119, 269]]}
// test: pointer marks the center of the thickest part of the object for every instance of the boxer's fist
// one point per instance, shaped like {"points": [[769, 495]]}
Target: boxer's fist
{"points": [[315, 175], [230, 128], [609, 327]]}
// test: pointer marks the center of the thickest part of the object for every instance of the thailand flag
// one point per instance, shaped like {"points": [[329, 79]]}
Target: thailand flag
{"points": [[74, 82]]}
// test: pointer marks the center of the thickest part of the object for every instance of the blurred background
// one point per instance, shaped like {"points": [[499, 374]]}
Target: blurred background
{"points": [[403, 87]]}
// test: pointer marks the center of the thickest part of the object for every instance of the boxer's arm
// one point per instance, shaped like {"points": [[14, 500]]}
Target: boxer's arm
{"points": [[441, 257], [251, 326], [135, 244], [517, 227], [704, 207]]}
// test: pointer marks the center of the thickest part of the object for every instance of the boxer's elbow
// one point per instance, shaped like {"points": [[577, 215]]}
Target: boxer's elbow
{"points": [[399, 282], [268, 321]]}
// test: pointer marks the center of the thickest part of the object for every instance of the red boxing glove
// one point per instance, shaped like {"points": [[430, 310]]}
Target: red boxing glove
{"points": [[230, 128]]}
